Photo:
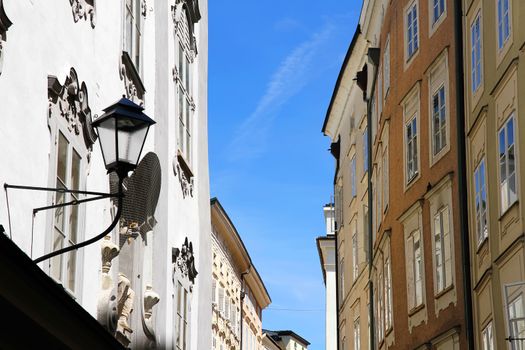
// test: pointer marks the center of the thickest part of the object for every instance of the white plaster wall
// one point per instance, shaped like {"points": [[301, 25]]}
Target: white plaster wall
{"points": [[44, 40]]}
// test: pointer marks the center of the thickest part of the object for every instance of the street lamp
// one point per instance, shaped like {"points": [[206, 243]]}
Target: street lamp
{"points": [[122, 131]]}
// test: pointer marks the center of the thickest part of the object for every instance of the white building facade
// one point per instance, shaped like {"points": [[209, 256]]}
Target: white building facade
{"points": [[61, 64]]}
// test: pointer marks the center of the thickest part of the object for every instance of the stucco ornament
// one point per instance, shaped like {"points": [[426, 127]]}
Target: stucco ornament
{"points": [[185, 179], [5, 23], [107, 301], [125, 299], [186, 14], [70, 101], [84, 9], [143, 8], [184, 261], [133, 87], [151, 298]]}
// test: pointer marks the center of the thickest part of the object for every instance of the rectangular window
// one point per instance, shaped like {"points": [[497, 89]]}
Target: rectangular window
{"points": [[182, 317], [357, 335], [353, 176], [516, 316], [341, 281], [355, 260], [386, 190], [386, 67], [388, 290], [133, 31], [487, 341], [412, 30], [443, 251], [507, 163], [438, 10], [503, 22], [411, 149], [481, 202], [439, 121], [65, 228], [365, 150], [415, 264], [214, 291], [475, 47], [381, 307]]}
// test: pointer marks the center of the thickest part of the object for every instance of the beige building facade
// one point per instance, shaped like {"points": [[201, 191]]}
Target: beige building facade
{"points": [[494, 80], [238, 292]]}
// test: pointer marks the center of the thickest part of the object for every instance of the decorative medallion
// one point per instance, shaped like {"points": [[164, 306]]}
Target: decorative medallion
{"points": [[5, 23], [70, 101], [83, 9], [184, 261]]}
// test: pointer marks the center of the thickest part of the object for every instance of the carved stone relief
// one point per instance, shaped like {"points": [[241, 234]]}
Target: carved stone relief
{"points": [[143, 8], [189, 8], [5, 23], [151, 298], [185, 179], [124, 309], [184, 261], [84, 9], [133, 87], [70, 101], [107, 304]]}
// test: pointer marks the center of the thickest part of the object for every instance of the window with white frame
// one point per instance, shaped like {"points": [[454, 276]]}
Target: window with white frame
{"points": [[341, 281], [438, 8], [386, 190], [379, 191], [357, 335], [380, 306], [415, 260], [221, 299], [503, 22], [386, 67], [439, 121], [353, 176], [481, 202], [475, 47], [66, 219], [355, 257], [133, 31], [388, 288], [487, 341], [412, 31], [379, 93], [365, 150], [507, 164], [516, 314], [182, 318], [214, 291], [411, 148], [442, 249]]}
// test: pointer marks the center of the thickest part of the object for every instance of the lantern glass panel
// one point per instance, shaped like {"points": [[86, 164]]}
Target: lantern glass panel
{"points": [[131, 137], [106, 133]]}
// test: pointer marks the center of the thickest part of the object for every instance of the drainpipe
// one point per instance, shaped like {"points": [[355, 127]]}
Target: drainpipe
{"points": [[243, 293], [462, 179]]}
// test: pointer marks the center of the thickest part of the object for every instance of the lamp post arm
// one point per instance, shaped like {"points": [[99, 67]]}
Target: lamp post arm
{"points": [[94, 239]]}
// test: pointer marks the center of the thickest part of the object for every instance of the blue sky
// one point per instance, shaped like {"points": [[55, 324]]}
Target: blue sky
{"points": [[272, 70]]}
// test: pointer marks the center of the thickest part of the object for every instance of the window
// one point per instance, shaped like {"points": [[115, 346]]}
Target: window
{"points": [[386, 67], [355, 261], [221, 299], [415, 257], [182, 318], [517, 322], [442, 253], [411, 30], [487, 342], [438, 10], [411, 149], [214, 291], [357, 335], [338, 207], [381, 307], [481, 202], [475, 37], [386, 191], [365, 150], [439, 121], [341, 281], [503, 22], [133, 32], [507, 164], [353, 177], [227, 307], [388, 289], [65, 227]]}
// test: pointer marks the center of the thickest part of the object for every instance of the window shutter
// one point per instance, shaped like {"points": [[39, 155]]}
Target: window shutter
{"points": [[221, 299], [214, 291], [227, 307]]}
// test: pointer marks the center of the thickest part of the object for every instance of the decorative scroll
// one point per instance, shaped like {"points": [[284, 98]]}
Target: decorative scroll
{"points": [[71, 102], [5, 23], [107, 304], [134, 89], [83, 9], [184, 261]]}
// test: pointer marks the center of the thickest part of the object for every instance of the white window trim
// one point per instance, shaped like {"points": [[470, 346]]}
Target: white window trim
{"points": [[507, 43], [433, 26], [409, 59], [481, 238], [476, 94], [386, 68], [511, 115], [412, 109], [132, 55], [487, 334]]}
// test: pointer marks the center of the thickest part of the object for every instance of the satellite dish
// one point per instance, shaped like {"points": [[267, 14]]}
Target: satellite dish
{"points": [[141, 193]]}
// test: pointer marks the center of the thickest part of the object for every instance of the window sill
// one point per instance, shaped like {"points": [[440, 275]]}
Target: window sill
{"points": [[508, 209], [444, 291], [184, 164], [411, 58], [412, 181], [133, 74], [416, 309], [482, 244]]}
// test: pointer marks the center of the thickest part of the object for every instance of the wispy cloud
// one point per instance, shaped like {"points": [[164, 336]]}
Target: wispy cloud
{"points": [[288, 24], [293, 73]]}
